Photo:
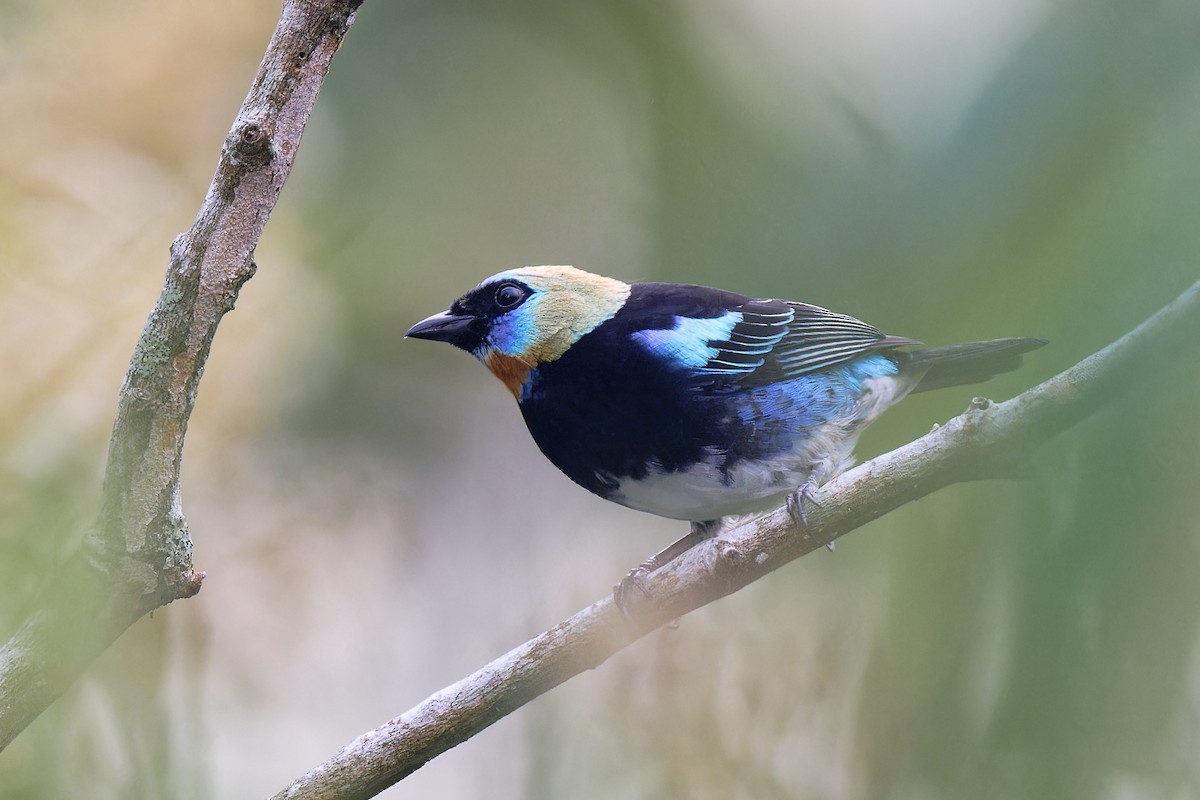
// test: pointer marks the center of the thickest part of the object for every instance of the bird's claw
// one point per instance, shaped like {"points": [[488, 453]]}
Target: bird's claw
{"points": [[630, 595], [805, 493]]}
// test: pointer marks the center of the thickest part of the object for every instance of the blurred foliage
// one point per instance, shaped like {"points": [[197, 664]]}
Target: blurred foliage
{"points": [[372, 516]]}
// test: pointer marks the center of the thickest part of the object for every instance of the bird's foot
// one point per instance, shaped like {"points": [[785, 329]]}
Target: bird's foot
{"points": [[795, 502], [631, 595], [805, 493]]}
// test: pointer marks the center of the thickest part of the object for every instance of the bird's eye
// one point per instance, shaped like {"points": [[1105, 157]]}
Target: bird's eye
{"points": [[510, 295]]}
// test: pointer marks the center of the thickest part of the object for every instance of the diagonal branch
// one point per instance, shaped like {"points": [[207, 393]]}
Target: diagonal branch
{"points": [[989, 440], [138, 555]]}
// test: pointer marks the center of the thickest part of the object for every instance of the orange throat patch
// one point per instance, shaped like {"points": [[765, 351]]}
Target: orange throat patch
{"points": [[509, 369]]}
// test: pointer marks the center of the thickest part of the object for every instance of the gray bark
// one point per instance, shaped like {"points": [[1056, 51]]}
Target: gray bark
{"points": [[138, 555]]}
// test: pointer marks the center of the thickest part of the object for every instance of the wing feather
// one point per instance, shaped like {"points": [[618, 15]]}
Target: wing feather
{"points": [[777, 340], [740, 340]]}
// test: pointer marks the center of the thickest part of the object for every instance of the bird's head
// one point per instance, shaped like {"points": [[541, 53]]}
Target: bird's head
{"points": [[518, 319]]}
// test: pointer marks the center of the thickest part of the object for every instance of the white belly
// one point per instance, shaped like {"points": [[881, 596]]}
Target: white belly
{"points": [[704, 492]]}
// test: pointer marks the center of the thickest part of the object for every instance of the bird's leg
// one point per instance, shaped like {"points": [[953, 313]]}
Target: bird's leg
{"points": [[795, 504], [634, 583], [698, 533]]}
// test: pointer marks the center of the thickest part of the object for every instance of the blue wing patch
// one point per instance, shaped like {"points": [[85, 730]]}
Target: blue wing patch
{"points": [[688, 342]]}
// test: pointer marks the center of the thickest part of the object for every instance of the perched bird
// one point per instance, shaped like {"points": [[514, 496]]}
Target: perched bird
{"points": [[690, 402]]}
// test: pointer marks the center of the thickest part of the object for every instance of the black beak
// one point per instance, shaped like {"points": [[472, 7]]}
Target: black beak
{"points": [[443, 327]]}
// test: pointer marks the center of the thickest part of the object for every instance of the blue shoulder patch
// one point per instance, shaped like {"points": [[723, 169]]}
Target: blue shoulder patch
{"points": [[687, 343]]}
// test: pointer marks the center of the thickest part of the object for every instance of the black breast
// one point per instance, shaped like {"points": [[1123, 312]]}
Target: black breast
{"points": [[609, 409]]}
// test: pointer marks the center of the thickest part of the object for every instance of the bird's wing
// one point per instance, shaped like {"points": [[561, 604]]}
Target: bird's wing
{"points": [[777, 340]]}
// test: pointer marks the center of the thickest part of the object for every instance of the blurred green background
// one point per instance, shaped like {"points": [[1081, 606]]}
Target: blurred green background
{"points": [[375, 521]]}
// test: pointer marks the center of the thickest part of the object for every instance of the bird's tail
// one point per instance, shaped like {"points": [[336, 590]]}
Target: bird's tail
{"points": [[971, 362]]}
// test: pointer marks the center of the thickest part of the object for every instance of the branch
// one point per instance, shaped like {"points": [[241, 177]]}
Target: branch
{"points": [[138, 555], [989, 440]]}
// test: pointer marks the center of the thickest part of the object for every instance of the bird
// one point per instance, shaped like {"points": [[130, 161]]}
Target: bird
{"points": [[691, 402]]}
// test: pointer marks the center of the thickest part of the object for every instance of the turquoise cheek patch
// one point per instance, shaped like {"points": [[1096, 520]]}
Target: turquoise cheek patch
{"points": [[514, 333]]}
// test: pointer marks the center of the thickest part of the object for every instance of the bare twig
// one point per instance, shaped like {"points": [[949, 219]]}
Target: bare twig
{"points": [[989, 440], [138, 555]]}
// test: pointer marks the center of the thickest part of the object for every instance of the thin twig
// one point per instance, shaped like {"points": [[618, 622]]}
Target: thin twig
{"points": [[985, 442], [138, 555]]}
